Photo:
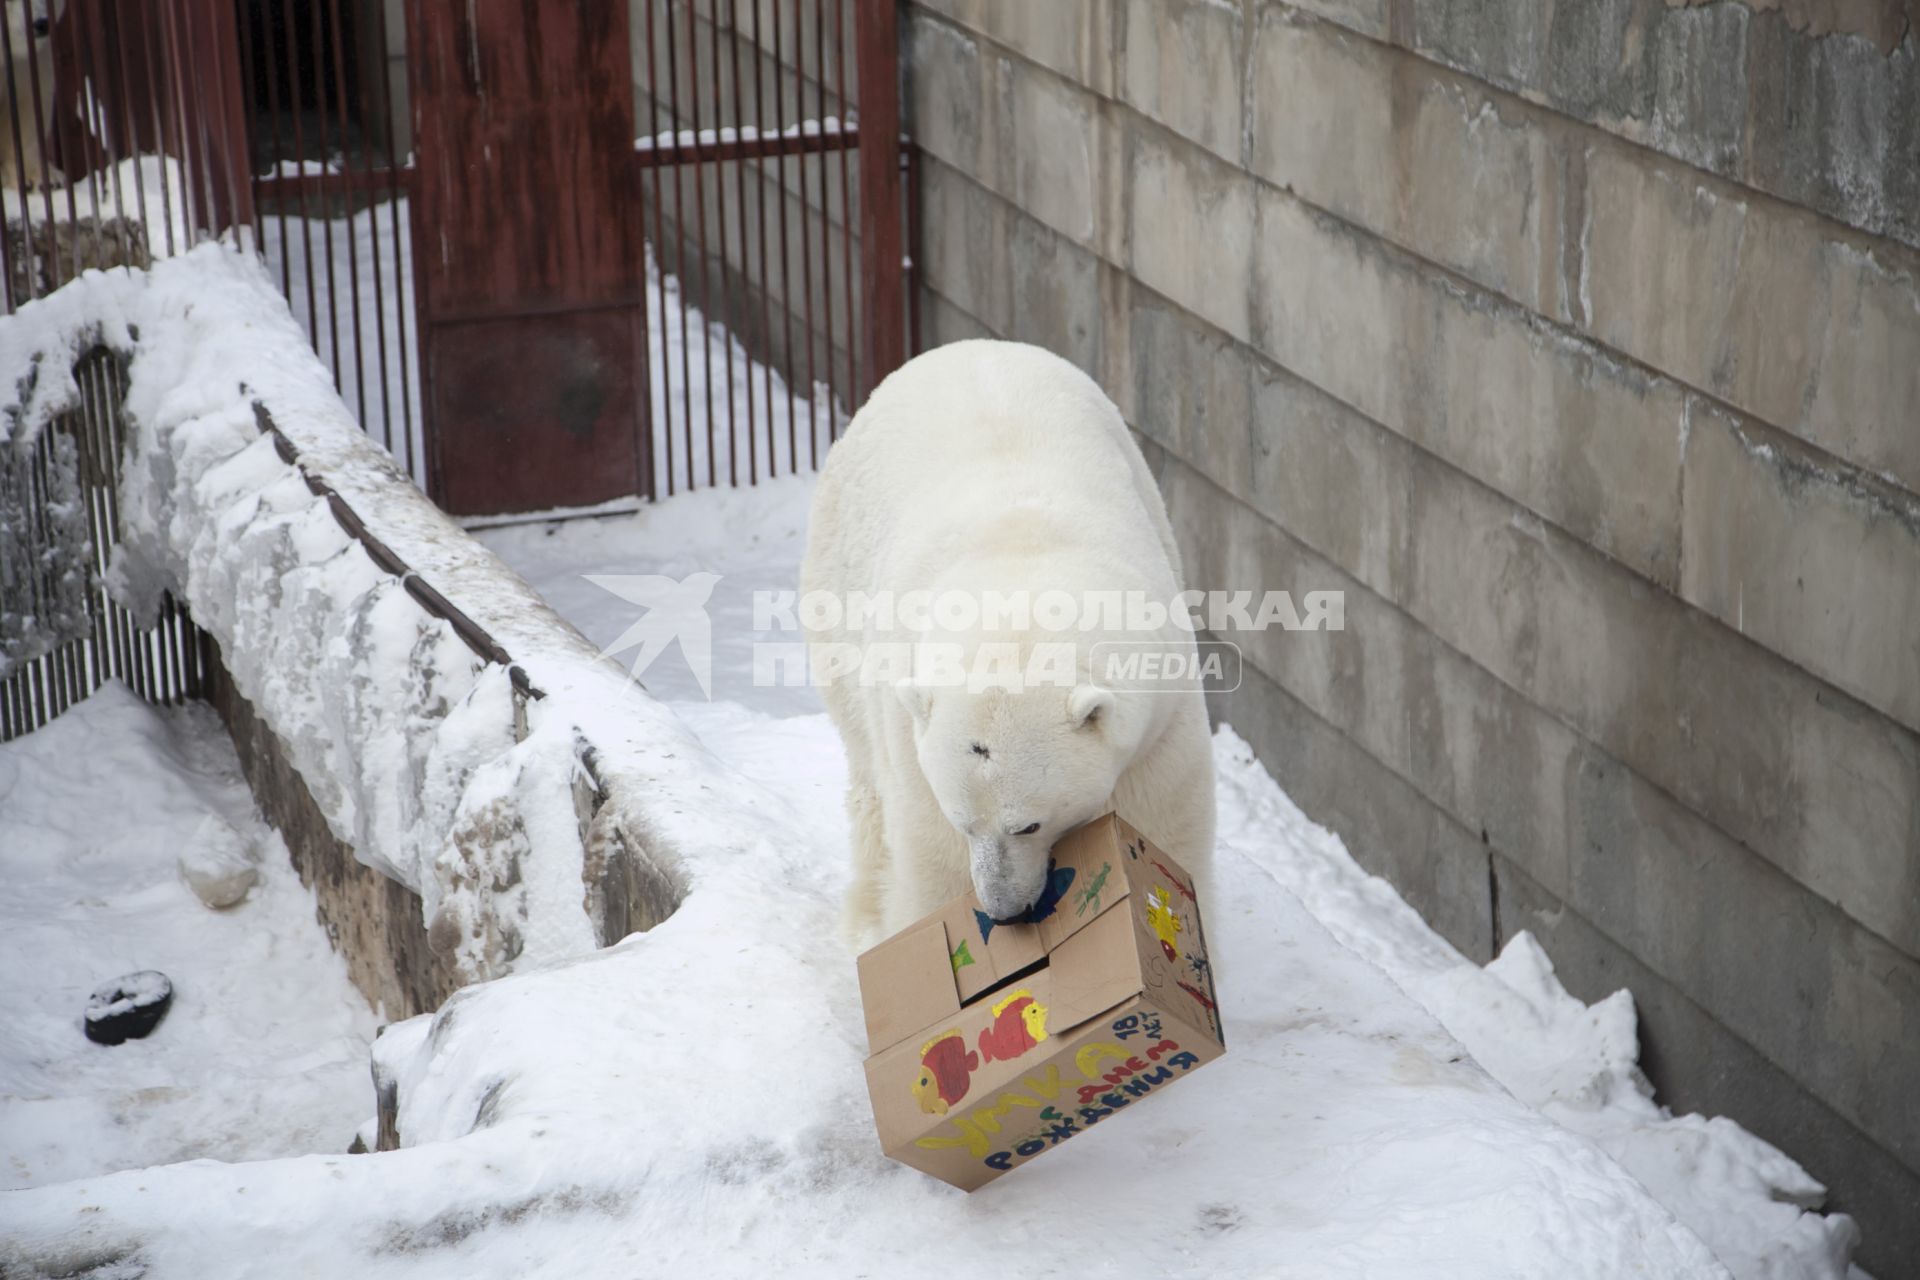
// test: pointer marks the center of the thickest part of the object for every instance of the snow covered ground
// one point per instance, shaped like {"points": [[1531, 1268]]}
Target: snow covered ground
{"points": [[1575, 1063], [690, 1101], [264, 1052]]}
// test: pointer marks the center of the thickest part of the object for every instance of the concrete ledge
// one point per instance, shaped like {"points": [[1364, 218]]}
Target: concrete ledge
{"points": [[371, 920]]}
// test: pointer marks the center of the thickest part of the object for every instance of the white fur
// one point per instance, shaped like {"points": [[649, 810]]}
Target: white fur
{"points": [[997, 466]]}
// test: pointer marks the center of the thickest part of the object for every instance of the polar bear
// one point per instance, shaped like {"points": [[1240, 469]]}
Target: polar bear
{"points": [[995, 467]]}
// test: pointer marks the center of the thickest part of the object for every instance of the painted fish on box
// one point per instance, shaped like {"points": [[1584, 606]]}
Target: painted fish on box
{"points": [[946, 1069], [1019, 1023]]}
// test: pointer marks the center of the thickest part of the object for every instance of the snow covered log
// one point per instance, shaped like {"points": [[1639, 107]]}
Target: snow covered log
{"points": [[432, 706]]}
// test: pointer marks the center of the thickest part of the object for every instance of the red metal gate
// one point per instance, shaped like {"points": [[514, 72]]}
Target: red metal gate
{"points": [[633, 278]]}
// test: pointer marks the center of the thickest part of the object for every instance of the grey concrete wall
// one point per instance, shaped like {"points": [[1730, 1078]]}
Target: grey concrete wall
{"points": [[1580, 346]]}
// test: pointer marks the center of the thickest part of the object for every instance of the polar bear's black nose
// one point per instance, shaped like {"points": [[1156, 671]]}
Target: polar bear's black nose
{"points": [[41, 26]]}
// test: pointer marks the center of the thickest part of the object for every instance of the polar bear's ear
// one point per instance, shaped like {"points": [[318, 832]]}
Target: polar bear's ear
{"points": [[916, 698], [1087, 703]]}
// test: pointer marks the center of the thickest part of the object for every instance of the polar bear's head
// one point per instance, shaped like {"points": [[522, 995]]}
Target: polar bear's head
{"points": [[1013, 771]]}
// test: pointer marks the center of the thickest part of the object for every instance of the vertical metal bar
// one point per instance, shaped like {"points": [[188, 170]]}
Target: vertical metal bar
{"points": [[56, 664], [878, 34], [294, 108], [353, 249], [660, 271], [176, 676], [127, 121], [195, 664], [42, 127], [826, 245], [19, 149], [49, 134], [96, 477], [174, 96], [267, 51], [91, 159], [194, 209], [746, 273], [249, 81], [700, 233], [235, 155], [162, 690], [156, 69], [318, 52], [731, 318], [223, 119], [911, 156], [197, 116], [766, 271], [680, 261], [806, 255], [94, 111], [402, 313], [786, 243], [373, 238], [846, 219]]}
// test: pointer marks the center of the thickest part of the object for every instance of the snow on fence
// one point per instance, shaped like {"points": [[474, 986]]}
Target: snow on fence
{"points": [[62, 635], [408, 709]]}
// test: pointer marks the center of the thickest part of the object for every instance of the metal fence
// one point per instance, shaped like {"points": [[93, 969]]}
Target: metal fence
{"points": [[61, 634], [121, 116], [331, 185], [769, 182], [761, 174], [780, 206]]}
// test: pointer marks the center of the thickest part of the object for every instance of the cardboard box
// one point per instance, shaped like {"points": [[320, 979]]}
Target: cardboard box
{"points": [[991, 1043]]}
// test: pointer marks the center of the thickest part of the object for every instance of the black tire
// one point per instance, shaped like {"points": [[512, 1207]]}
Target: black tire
{"points": [[129, 1007]]}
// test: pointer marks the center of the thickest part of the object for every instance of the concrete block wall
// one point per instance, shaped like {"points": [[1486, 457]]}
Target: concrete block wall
{"points": [[1580, 346]]}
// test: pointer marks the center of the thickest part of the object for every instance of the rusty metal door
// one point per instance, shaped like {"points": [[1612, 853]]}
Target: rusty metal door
{"points": [[530, 275]]}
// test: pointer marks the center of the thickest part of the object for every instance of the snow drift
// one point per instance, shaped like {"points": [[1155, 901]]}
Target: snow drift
{"points": [[433, 764]]}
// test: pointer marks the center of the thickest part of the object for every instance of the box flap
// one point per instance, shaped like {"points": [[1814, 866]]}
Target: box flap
{"points": [[983, 952], [1094, 970], [1091, 864], [905, 983]]}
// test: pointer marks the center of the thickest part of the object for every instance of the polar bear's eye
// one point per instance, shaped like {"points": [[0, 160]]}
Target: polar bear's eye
{"points": [[1028, 830]]}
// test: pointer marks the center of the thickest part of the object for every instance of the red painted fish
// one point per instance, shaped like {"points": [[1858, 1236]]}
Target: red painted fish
{"points": [[1018, 1025], [946, 1067]]}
